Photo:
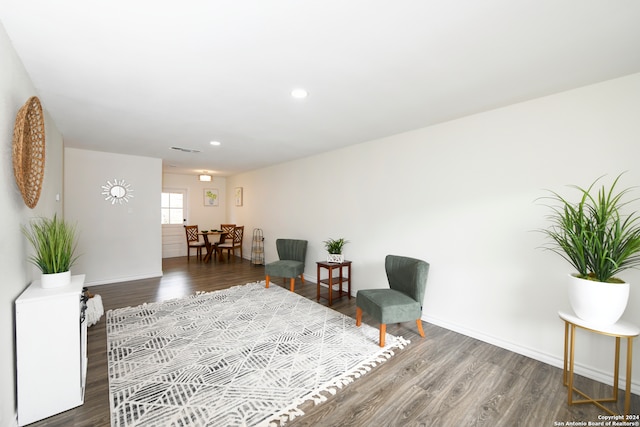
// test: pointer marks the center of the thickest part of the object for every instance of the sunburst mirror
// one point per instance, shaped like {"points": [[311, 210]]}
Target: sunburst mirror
{"points": [[117, 191]]}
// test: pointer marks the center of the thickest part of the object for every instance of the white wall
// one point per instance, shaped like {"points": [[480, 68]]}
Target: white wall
{"points": [[117, 242], [461, 195], [15, 88], [206, 217]]}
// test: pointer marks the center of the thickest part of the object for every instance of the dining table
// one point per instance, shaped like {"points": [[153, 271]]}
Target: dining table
{"points": [[210, 246]]}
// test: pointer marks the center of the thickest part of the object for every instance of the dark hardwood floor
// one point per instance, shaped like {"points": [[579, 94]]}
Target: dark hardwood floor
{"points": [[445, 379]]}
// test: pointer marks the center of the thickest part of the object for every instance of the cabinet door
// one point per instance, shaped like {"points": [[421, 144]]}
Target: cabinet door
{"points": [[49, 356]]}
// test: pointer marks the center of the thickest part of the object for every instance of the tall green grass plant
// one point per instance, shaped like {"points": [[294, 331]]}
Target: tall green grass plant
{"points": [[592, 234], [54, 244]]}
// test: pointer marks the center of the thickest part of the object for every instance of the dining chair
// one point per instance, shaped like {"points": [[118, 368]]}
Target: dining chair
{"points": [[227, 233], [402, 302], [292, 254], [232, 242], [227, 228], [193, 241]]}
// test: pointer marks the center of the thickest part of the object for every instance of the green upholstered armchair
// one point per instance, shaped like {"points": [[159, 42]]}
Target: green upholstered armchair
{"points": [[403, 301], [292, 254]]}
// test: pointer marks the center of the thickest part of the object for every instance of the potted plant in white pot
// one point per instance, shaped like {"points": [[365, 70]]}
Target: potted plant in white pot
{"points": [[54, 244], [334, 247], [600, 242]]}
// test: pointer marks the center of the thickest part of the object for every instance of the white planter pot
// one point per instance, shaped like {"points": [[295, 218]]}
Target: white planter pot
{"points": [[55, 280], [339, 258], [597, 302]]}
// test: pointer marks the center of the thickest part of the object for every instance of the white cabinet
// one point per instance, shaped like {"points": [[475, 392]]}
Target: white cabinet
{"points": [[51, 351]]}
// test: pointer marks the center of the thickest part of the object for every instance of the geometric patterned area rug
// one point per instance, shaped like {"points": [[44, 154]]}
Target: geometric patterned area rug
{"points": [[243, 356]]}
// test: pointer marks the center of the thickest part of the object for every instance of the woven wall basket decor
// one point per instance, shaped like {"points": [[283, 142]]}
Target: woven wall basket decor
{"points": [[29, 150]]}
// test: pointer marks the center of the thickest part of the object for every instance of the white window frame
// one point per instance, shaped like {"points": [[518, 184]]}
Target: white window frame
{"points": [[185, 204]]}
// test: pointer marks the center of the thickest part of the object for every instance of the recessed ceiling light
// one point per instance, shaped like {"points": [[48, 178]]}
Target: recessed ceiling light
{"points": [[299, 93], [215, 143]]}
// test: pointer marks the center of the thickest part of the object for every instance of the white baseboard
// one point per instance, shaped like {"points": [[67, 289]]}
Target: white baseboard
{"points": [[605, 377], [14, 421], [594, 374], [124, 279]]}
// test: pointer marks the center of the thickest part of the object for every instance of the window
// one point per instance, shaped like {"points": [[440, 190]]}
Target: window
{"points": [[172, 208]]}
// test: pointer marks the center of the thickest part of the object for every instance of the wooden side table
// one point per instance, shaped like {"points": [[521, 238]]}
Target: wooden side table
{"points": [[618, 330], [331, 281]]}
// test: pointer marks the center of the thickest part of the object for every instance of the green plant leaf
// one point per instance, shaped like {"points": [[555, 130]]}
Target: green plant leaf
{"points": [[592, 234], [54, 244], [334, 246]]}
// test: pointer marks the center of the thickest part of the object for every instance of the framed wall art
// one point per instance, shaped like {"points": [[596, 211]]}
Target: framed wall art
{"points": [[238, 194], [211, 197]]}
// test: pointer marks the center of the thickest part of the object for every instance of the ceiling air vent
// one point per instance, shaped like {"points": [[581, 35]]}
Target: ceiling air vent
{"points": [[185, 150]]}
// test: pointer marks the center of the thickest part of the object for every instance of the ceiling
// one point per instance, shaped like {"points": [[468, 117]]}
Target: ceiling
{"points": [[139, 77]]}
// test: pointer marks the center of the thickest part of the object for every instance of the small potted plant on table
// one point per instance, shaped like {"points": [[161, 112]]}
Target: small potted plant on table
{"points": [[334, 247]]}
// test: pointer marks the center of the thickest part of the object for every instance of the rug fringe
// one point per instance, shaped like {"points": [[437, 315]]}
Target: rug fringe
{"points": [[320, 395], [285, 418]]}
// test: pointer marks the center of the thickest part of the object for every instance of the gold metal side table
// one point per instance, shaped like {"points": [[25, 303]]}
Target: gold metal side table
{"points": [[618, 330]]}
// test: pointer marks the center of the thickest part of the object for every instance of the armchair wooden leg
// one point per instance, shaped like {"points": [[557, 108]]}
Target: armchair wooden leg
{"points": [[420, 330], [267, 281], [292, 284], [383, 333], [302, 278], [358, 316]]}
